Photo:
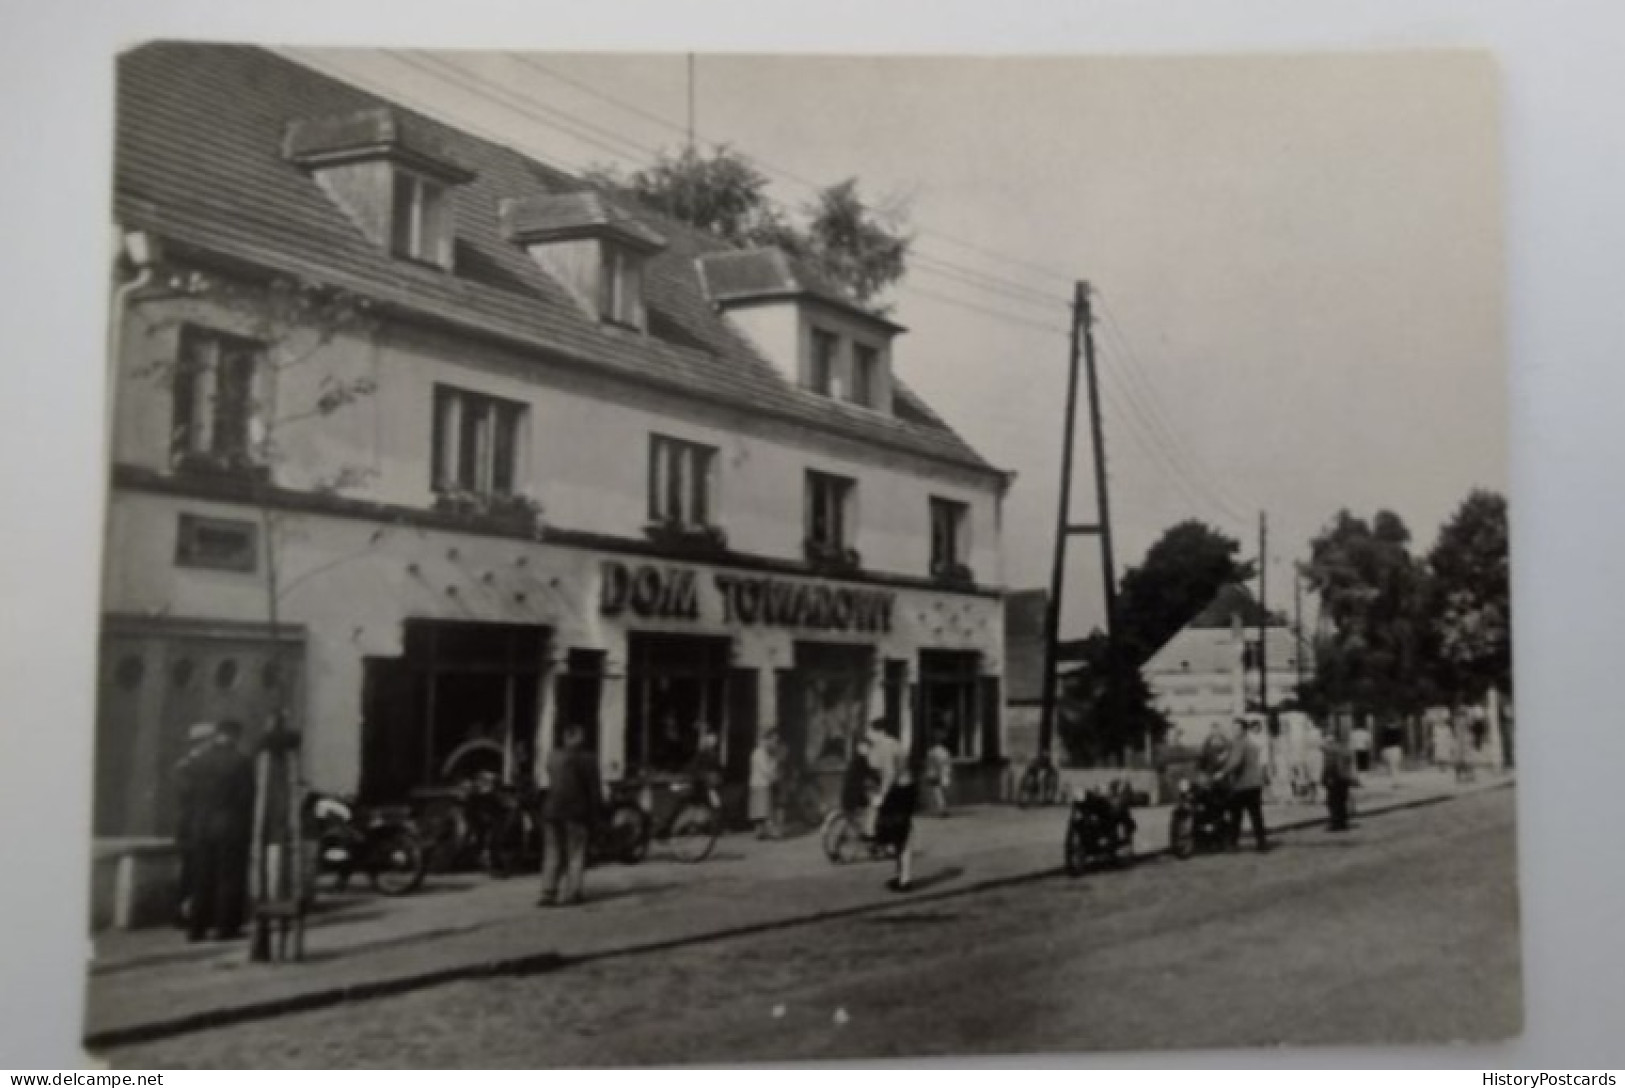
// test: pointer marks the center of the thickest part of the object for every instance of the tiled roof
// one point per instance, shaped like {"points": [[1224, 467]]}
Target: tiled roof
{"points": [[767, 272], [569, 215], [200, 161]]}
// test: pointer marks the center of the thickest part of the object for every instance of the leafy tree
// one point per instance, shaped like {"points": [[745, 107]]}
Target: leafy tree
{"points": [[861, 249], [1472, 612], [1096, 724], [1181, 572], [1374, 597]]}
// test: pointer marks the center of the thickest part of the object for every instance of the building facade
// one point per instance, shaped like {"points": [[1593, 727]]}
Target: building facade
{"points": [[432, 449], [1208, 672]]}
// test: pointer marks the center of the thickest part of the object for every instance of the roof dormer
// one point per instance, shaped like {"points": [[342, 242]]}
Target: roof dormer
{"points": [[817, 336], [389, 174], [596, 250]]}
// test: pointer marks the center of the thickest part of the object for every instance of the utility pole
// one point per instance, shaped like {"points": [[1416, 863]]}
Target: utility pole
{"points": [[1263, 616], [1297, 627], [1083, 343], [691, 101]]}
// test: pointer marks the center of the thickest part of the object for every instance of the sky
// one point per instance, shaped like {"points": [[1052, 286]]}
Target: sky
{"points": [[1296, 261]]}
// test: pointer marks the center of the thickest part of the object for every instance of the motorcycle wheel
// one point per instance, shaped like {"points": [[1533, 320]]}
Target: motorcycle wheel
{"points": [[512, 844], [1077, 857], [447, 833], [1181, 840], [398, 862], [627, 837], [694, 831]]}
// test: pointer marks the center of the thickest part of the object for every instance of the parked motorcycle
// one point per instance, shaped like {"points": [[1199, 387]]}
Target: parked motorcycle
{"points": [[1201, 818], [380, 842], [1099, 830]]}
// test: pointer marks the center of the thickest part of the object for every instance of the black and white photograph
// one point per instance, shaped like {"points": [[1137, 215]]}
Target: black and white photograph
{"points": [[699, 558]]}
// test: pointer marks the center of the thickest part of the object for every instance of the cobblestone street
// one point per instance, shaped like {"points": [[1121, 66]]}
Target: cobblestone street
{"points": [[1404, 930]]}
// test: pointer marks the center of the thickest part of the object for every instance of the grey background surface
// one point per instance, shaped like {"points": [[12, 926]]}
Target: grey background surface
{"points": [[1565, 163]]}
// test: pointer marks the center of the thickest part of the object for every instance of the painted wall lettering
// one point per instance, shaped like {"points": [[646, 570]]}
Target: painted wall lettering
{"points": [[673, 593], [659, 592]]}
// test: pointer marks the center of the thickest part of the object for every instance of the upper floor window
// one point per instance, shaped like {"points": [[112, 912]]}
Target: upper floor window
{"points": [[420, 219], [829, 511], [680, 482], [621, 288], [865, 375], [214, 402], [476, 442], [948, 551], [821, 367]]}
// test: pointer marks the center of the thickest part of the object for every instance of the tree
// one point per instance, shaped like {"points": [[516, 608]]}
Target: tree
{"points": [[1472, 612], [1374, 596], [1095, 726], [863, 250], [1180, 574]]}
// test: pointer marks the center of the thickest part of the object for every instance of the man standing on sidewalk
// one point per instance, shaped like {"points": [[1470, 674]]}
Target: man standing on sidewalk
{"points": [[898, 794], [222, 817], [574, 794], [1338, 777], [1245, 773]]}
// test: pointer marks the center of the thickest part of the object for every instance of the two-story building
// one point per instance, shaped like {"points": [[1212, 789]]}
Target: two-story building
{"points": [[432, 448]]}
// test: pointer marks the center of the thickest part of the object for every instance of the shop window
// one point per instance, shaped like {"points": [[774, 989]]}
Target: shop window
{"points": [[216, 544], [676, 689], [948, 543], [680, 482], [950, 706], [829, 503], [214, 407], [476, 442]]}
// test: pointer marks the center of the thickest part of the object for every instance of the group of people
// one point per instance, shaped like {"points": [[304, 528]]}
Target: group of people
{"points": [[1237, 763]]}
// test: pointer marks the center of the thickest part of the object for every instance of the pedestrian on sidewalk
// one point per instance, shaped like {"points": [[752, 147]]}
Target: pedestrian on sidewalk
{"points": [[571, 811], [199, 738], [1337, 775], [764, 786], [939, 775], [898, 795], [221, 803], [1245, 774]]}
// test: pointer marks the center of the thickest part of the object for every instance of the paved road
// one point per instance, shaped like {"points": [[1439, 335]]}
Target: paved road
{"points": [[1404, 931]]}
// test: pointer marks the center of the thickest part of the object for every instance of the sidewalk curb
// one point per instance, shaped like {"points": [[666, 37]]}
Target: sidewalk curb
{"points": [[535, 963]]}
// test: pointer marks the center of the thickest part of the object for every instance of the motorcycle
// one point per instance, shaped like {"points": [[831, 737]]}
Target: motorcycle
{"points": [[1099, 829], [380, 842], [1201, 818]]}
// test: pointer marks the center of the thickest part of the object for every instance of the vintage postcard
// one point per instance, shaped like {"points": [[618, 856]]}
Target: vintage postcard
{"points": [[665, 559]]}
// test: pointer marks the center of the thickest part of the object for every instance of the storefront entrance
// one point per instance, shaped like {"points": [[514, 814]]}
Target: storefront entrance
{"points": [[824, 702], [461, 699]]}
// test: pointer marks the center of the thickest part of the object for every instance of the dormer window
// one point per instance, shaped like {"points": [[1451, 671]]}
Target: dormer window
{"points": [[420, 220], [805, 324], [593, 249], [389, 173]]}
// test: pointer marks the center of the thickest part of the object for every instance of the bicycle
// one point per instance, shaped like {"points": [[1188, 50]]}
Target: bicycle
{"points": [[845, 839], [691, 821], [803, 802]]}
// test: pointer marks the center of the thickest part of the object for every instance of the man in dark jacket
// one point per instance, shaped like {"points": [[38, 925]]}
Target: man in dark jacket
{"points": [[199, 739], [574, 794], [221, 806], [1337, 775]]}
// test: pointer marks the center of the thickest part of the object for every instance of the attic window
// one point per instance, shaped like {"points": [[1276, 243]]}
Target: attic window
{"points": [[420, 219], [389, 173], [594, 249]]}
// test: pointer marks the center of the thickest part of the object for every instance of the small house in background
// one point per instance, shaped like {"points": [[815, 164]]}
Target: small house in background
{"points": [[1208, 671]]}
